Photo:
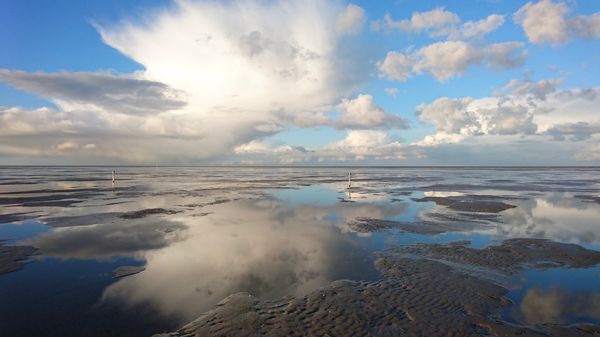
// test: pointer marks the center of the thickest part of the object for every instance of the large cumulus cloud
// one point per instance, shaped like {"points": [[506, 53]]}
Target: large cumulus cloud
{"points": [[215, 75]]}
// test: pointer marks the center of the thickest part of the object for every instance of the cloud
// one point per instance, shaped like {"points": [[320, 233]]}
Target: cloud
{"points": [[391, 91], [365, 144], [120, 94], [263, 151], [351, 20], [506, 55], [240, 57], [363, 113], [440, 22], [261, 147], [470, 117], [447, 59], [543, 21], [71, 146], [435, 22], [540, 89], [215, 75], [578, 131], [586, 26], [477, 29], [590, 152], [67, 146], [527, 109], [357, 145], [396, 66], [548, 22]]}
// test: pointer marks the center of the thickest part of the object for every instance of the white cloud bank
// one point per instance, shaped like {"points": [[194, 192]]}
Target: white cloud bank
{"points": [[528, 109], [359, 145]]}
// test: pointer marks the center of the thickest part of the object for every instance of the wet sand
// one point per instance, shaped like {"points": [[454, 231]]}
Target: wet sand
{"points": [[589, 198], [424, 289], [469, 203], [511, 255], [124, 271], [422, 292], [368, 225], [146, 212], [13, 258]]}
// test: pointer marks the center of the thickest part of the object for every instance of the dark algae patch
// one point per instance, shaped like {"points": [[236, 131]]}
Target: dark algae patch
{"points": [[13, 258], [419, 294]]}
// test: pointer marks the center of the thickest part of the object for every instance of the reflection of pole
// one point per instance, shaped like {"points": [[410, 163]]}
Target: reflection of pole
{"points": [[349, 186], [349, 180]]}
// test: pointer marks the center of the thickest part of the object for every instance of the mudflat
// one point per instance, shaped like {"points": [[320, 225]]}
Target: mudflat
{"points": [[420, 294]]}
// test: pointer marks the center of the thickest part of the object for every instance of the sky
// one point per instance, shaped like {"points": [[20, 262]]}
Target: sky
{"points": [[300, 82]]}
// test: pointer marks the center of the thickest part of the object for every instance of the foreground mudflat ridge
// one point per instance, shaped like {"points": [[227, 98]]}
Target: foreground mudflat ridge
{"points": [[425, 290]]}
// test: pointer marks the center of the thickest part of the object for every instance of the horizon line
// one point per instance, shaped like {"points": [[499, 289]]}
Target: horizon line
{"points": [[310, 166]]}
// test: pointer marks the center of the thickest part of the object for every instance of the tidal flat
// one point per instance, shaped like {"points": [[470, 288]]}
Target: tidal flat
{"points": [[245, 251]]}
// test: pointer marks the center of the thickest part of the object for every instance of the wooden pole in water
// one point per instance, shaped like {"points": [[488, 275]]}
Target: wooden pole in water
{"points": [[113, 177]]}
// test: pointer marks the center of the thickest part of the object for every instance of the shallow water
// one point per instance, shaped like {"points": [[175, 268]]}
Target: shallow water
{"points": [[272, 232]]}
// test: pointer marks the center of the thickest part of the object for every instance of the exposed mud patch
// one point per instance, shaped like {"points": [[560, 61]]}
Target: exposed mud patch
{"points": [[59, 200], [469, 203], [415, 297], [13, 258], [511, 255], [13, 217], [146, 212], [589, 198], [124, 271], [369, 225], [210, 203]]}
